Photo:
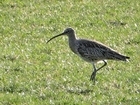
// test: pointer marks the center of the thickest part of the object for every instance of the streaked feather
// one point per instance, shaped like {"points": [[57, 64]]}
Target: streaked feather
{"points": [[93, 51]]}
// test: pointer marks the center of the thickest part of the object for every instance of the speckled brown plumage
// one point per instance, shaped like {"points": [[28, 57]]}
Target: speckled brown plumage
{"points": [[91, 51]]}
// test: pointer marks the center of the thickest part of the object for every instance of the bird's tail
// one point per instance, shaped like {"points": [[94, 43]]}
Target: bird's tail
{"points": [[118, 56], [125, 58]]}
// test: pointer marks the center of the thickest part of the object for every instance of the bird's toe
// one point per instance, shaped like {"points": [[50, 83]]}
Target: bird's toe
{"points": [[92, 77]]}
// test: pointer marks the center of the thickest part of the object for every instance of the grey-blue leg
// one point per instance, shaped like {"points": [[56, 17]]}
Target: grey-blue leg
{"points": [[93, 75]]}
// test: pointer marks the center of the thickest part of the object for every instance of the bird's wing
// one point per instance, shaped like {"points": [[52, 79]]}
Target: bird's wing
{"points": [[94, 51], [91, 51]]}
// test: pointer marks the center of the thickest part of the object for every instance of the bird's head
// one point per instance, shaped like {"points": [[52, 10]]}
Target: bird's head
{"points": [[67, 31]]}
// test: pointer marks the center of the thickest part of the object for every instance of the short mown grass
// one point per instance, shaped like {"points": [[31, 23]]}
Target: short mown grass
{"points": [[33, 72]]}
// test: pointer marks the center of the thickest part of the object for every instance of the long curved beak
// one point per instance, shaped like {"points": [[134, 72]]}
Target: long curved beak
{"points": [[55, 37]]}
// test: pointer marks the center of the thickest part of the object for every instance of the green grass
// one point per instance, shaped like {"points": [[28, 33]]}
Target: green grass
{"points": [[33, 73]]}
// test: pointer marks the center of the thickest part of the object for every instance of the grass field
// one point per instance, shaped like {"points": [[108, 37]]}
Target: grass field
{"points": [[35, 73]]}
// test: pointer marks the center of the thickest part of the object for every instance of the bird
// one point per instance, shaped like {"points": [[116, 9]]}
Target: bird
{"points": [[91, 51]]}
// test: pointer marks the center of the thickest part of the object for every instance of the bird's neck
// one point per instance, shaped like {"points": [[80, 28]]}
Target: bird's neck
{"points": [[72, 41]]}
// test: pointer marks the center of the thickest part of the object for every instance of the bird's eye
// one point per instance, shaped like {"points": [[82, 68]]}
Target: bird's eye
{"points": [[67, 31]]}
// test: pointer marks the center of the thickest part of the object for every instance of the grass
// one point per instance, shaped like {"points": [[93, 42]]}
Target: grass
{"points": [[33, 73]]}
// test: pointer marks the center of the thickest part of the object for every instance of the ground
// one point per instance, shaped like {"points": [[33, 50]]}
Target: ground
{"points": [[33, 72]]}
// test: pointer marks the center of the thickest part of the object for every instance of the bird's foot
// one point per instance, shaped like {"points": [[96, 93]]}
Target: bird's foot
{"points": [[92, 77]]}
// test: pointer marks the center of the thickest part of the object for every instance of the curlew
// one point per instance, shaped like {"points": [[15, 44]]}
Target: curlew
{"points": [[91, 51]]}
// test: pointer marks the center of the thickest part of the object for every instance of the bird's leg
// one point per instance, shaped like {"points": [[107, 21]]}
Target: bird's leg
{"points": [[105, 63], [93, 75]]}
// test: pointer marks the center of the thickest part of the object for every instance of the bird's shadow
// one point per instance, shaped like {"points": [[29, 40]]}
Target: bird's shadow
{"points": [[84, 92]]}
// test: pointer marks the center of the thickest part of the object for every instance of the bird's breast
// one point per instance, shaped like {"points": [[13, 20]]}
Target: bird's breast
{"points": [[72, 46]]}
